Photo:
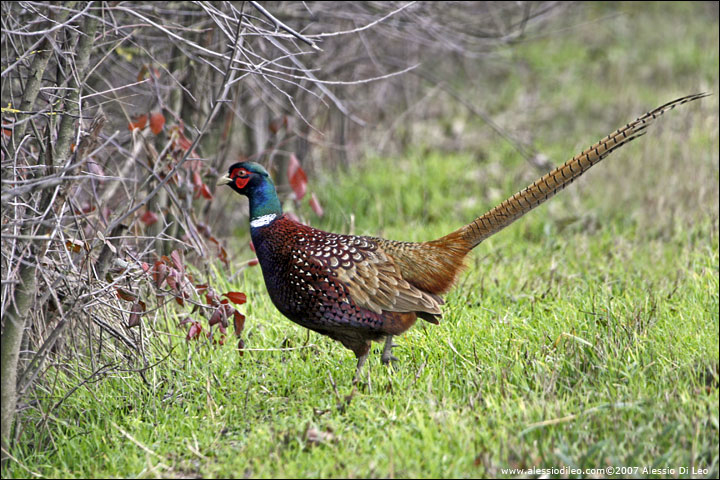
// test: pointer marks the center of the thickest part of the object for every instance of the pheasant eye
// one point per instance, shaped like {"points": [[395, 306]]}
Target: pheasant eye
{"points": [[241, 177], [239, 172]]}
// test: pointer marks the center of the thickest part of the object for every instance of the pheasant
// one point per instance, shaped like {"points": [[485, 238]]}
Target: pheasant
{"points": [[359, 289]]}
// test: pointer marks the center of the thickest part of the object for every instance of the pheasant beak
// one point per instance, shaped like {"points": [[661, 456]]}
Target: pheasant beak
{"points": [[224, 180]]}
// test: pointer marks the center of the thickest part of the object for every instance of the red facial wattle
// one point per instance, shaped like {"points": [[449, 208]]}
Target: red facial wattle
{"points": [[240, 182], [241, 177]]}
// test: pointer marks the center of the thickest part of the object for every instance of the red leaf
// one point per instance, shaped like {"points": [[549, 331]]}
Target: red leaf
{"points": [[223, 256], [179, 301], [143, 71], [126, 295], [252, 247], [205, 192], [157, 122], [180, 140], [194, 332], [196, 180], [74, 245], [211, 297], [177, 260], [241, 346], [137, 310], [160, 273], [221, 315], [145, 267], [205, 231], [148, 218], [177, 281], [296, 177], [315, 205], [238, 298], [253, 262], [172, 278], [199, 187], [217, 316], [183, 142], [239, 321], [139, 122]]}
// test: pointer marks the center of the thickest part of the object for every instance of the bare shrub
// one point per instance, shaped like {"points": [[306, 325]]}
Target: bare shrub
{"points": [[119, 117]]}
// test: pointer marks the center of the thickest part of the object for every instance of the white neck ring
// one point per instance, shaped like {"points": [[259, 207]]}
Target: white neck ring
{"points": [[263, 220]]}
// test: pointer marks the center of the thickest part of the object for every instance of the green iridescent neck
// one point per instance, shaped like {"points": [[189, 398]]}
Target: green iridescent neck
{"points": [[264, 200]]}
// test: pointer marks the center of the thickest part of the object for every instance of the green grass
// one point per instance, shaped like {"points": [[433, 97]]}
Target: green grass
{"points": [[583, 348], [585, 335]]}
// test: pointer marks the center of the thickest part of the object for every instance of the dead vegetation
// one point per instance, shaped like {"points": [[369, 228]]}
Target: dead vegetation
{"points": [[117, 119]]}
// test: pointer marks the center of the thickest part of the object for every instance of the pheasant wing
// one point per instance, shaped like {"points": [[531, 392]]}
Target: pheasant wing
{"points": [[371, 278]]}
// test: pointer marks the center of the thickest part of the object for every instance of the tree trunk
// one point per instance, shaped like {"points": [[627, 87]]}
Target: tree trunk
{"points": [[24, 295]]}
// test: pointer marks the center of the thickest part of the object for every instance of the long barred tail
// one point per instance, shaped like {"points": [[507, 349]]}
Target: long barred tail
{"points": [[548, 185]]}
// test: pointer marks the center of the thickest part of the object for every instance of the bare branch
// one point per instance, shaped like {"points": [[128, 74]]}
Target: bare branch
{"points": [[279, 24]]}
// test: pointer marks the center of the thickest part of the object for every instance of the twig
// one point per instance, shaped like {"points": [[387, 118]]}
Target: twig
{"points": [[452, 347], [569, 418], [227, 81], [322, 87], [99, 371], [31, 371], [334, 385], [63, 23], [136, 442], [287, 349], [279, 24], [113, 332], [7, 454], [514, 143], [420, 370], [365, 27]]}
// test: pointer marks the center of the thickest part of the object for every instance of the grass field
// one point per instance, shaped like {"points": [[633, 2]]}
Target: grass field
{"points": [[583, 336]]}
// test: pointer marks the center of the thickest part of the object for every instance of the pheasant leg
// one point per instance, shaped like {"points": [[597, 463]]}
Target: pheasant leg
{"points": [[360, 363], [387, 355]]}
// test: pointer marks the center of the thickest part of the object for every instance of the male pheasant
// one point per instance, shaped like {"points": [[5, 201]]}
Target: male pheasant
{"points": [[358, 289]]}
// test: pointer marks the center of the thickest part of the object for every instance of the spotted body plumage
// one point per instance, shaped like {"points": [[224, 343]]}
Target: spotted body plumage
{"points": [[359, 289], [310, 276]]}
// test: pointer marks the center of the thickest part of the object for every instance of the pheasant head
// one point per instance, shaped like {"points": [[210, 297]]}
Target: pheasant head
{"points": [[253, 181]]}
